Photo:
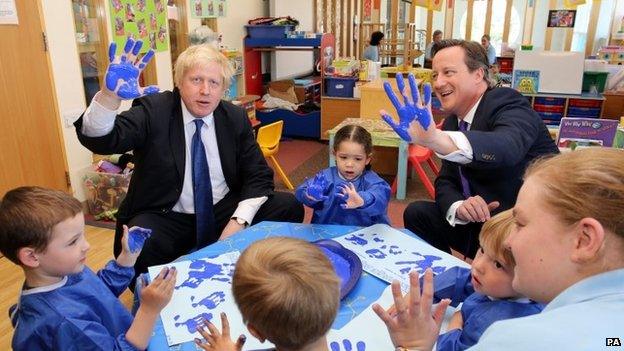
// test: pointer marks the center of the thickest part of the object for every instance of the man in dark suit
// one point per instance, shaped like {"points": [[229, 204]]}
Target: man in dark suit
{"points": [[199, 174], [485, 145]]}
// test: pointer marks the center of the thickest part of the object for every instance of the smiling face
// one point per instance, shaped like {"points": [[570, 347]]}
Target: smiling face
{"points": [[66, 252], [351, 159], [492, 276], [457, 88], [202, 88]]}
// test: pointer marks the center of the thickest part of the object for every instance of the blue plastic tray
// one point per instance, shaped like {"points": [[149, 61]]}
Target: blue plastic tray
{"points": [[346, 263]]}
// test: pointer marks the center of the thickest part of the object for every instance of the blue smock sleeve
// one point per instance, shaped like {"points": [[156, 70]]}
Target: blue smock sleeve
{"points": [[451, 341], [453, 284], [376, 196], [83, 335], [116, 277]]}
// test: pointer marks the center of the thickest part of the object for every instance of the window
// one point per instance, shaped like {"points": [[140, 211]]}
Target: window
{"points": [[497, 26]]}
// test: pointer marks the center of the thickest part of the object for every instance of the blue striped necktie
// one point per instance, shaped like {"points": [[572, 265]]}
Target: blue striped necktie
{"points": [[202, 190], [463, 126]]}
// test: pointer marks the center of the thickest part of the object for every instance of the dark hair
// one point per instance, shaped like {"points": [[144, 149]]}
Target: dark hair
{"points": [[475, 55], [486, 36], [357, 134], [28, 215], [376, 38], [437, 32]]}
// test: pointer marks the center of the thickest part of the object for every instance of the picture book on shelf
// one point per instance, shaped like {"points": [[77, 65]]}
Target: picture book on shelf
{"points": [[526, 81], [585, 132]]}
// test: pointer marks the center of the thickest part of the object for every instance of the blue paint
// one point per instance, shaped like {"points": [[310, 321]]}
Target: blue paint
{"points": [[421, 265], [347, 346], [200, 270], [376, 253], [316, 186], [211, 301], [394, 250], [123, 78], [357, 240], [193, 323], [341, 266], [137, 237], [408, 111]]}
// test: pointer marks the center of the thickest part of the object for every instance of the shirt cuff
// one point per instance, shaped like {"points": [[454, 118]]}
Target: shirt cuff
{"points": [[464, 154], [97, 120], [451, 214], [248, 208]]}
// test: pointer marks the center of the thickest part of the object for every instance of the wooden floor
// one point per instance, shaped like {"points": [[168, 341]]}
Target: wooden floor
{"points": [[101, 251]]}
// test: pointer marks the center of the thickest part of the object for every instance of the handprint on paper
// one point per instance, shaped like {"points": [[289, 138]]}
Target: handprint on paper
{"points": [[347, 346]]}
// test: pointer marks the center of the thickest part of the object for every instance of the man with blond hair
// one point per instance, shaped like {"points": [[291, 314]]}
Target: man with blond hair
{"points": [[199, 174]]}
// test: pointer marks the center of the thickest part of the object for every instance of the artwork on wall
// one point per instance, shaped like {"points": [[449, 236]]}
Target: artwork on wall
{"points": [[208, 8], [144, 20], [526, 81], [561, 18]]}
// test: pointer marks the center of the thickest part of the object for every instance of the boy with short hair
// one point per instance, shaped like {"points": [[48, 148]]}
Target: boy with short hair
{"points": [[63, 304], [287, 292], [485, 289]]}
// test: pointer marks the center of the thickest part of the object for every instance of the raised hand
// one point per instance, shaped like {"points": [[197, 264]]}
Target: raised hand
{"points": [[316, 187], [137, 237], [411, 110], [123, 71], [415, 325], [131, 244], [349, 195]]}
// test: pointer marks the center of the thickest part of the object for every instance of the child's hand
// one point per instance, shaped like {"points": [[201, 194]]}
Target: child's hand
{"points": [[156, 295], [131, 245], [316, 187], [350, 196], [215, 341]]}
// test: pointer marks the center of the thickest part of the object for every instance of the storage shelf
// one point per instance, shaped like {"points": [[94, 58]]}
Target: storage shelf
{"points": [[282, 42]]}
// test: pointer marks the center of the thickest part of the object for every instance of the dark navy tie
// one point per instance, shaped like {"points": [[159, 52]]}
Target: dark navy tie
{"points": [[463, 126], [202, 190]]}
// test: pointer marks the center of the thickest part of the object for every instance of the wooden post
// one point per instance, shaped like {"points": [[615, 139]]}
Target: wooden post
{"points": [[488, 18], [591, 29], [470, 6], [529, 16], [507, 21]]}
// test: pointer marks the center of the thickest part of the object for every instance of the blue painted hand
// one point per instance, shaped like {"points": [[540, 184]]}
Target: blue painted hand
{"points": [[412, 108], [317, 186], [137, 237], [123, 72], [359, 346]]}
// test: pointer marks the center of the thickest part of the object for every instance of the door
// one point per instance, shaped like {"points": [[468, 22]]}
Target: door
{"points": [[31, 144]]}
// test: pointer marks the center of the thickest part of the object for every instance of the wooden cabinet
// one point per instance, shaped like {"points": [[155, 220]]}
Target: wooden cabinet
{"points": [[613, 106], [335, 110]]}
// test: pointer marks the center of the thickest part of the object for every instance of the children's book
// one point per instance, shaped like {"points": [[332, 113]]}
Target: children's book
{"points": [[526, 81], [585, 132]]}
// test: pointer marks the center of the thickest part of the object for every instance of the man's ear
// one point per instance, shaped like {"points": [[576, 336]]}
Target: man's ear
{"points": [[256, 334], [28, 257], [588, 241]]}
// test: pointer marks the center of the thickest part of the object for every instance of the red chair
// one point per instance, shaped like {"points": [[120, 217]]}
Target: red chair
{"points": [[416, 155]]}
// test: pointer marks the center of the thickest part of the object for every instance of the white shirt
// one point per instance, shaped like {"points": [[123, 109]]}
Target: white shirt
{"points": [[99, 121], [462, 156]]}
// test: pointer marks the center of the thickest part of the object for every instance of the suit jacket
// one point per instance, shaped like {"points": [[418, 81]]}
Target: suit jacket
{"points": [[153, 128], [506, 134]]}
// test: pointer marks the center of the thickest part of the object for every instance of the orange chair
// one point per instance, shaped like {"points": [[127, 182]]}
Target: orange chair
{"points": [[269, 139], [416, 155]]}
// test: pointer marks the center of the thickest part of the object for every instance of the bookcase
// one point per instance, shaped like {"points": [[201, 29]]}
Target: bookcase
{"points": [[552, 107]]}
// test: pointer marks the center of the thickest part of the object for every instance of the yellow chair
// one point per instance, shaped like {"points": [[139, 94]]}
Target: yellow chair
{"points": [[269, 139]]}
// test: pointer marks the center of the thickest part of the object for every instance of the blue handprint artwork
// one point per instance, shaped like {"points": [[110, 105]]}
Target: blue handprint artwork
{"points": [[191, 324], [122, 76], [347, 346], [410, 110], [211, 301], [421, 265], [200, 270]]}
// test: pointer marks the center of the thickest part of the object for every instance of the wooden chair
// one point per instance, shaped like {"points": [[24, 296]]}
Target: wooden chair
{"points": [[269, 139]]}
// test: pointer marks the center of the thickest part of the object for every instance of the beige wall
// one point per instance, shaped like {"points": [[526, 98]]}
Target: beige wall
{"points": [[59, 26]]}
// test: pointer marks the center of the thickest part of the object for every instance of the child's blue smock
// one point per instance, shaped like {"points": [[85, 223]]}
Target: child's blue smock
{"points": [[81, 312], [372, 188]]}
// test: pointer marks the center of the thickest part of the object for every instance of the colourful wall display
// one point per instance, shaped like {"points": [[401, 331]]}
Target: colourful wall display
{"points": [[208, 8], [140, 19]]}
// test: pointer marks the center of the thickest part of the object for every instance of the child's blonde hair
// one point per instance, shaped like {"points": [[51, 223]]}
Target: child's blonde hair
{"points": [[493, 235], [27, 216], [287, 290]]}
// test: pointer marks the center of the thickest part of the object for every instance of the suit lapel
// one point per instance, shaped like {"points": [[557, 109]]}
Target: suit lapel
{"points": [[176, 134], [479, 121]]}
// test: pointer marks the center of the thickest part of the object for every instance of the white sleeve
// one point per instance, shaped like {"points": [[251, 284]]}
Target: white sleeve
{"points": [[464, 154], [97, 120], [451, 214], [248, 208]]}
